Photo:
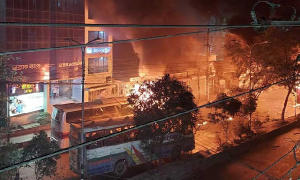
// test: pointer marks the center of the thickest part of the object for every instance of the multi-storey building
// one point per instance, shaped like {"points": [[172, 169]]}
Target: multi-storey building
{"points": [[44, 71]]}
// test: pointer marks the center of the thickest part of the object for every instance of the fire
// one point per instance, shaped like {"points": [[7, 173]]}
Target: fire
{"points": [[142, 96]]}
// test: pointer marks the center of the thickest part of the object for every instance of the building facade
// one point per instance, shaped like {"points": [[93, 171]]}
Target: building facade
{"points": [[45, 72]]}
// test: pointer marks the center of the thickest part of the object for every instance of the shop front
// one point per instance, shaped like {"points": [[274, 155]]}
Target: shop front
{"points": [[26, 100]]}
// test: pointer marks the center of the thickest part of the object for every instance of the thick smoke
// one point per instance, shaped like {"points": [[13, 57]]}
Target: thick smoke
{"points": [[177, 53]]}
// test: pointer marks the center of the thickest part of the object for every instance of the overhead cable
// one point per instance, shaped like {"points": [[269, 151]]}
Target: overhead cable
{"points": [[291, 23], [136, 127], [111, 42]]}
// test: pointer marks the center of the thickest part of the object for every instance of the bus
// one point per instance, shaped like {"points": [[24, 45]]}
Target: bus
{"points": [[64, 114], [118, 153]]}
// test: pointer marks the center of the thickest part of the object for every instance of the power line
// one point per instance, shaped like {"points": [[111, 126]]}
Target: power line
{"points": [[239, 163], [142, 25], [272, 164], [134, 128], [111, 42]]}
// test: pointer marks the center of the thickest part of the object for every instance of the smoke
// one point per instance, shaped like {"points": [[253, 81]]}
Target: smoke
{"points": [[178, 53], [157, 55]]}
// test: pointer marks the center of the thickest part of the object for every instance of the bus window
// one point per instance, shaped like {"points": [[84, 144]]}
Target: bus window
{"points": [[73, 116], [93, 136], [110, 110], [130, 136]]}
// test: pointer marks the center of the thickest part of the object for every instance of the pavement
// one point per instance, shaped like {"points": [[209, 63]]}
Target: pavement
{"points": [[260, 157]]}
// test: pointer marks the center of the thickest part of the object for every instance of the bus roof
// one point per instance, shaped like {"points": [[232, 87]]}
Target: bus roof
{"points": [[107, 123], [87, 105]]}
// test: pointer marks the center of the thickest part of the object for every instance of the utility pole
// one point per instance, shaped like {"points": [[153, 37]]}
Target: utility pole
{"points": [[207, 64], [82, 164]]}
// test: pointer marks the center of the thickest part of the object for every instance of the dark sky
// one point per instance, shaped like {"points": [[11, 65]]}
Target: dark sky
{"points": [[176, 50]]}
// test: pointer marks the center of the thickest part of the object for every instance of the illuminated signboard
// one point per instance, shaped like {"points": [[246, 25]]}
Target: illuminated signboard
{"points": [[18, 89], [98, 50], [26, 103]]}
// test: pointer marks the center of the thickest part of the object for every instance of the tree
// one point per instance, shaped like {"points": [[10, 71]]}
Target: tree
{"points": [[155, 100], [40, 145], [6, 74], [249, 103], [9, 155], [273, 61], [224, 112]]}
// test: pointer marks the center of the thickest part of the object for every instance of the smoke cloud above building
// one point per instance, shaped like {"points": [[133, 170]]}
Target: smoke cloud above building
{"points": [[175, 53]]}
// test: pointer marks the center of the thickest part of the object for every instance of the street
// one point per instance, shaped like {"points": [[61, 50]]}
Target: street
{"points": [[260, 157]]}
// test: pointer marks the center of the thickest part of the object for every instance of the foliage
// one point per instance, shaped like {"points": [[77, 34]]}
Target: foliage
{"points": [[243, 131], [224, 112], [9, 155], [272, 58], [44, 118], [6, 74], [39, 145], [257, 126], [249, 103], [155, 100]]}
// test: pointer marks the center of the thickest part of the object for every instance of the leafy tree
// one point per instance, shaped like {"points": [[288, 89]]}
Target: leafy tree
{"points": [[272, 58], [40, 145], [155, 100], [224, 112], [9, 155], [6, 74], [249, 103]]}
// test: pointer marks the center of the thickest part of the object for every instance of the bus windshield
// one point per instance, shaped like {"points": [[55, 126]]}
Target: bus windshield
{"points": [[56, 115]]}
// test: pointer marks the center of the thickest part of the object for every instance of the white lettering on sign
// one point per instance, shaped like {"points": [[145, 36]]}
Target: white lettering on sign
{"points": [[95, 50]]}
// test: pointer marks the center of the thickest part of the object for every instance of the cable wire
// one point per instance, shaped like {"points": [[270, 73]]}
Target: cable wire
{"points": [[136, 127], [273, 164], [292, 23], [111, 42], [239, 162]]}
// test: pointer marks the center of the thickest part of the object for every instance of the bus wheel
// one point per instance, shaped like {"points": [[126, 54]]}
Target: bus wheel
{"points": [[176, 153], [120, 168]]}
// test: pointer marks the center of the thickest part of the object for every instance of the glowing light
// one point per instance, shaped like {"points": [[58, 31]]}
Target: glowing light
{"points": [[204, 123], [96, 50], [144, 95], [230, 119]]}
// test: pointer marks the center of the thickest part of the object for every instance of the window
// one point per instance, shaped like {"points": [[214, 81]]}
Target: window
{"points": [[98, 34], [98, 65]]}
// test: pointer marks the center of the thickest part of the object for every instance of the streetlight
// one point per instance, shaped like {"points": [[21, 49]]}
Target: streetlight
{"points": [[250, 71], [82, 94]]}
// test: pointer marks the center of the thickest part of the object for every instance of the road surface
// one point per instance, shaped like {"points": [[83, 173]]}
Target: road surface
{"points": [[260, 157]]}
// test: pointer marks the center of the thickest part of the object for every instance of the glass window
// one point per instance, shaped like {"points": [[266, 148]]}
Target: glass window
{"points": [[17, 4], [25, 4], [73, 116], [98, 65], [98, 34], [10, 4]]}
